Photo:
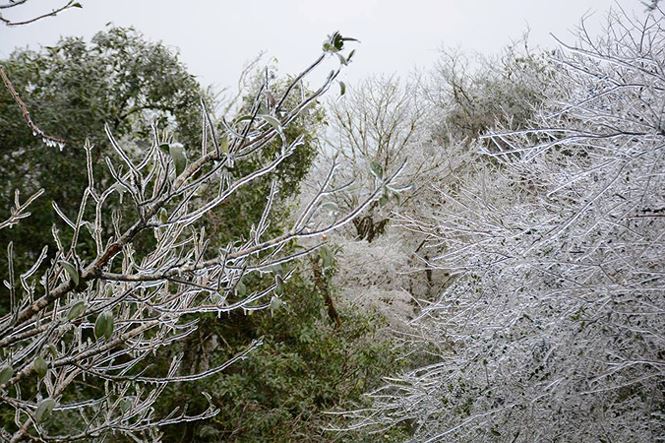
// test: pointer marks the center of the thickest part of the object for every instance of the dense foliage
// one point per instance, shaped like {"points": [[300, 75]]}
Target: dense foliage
{"points": [[72, 90], [307, 366]]}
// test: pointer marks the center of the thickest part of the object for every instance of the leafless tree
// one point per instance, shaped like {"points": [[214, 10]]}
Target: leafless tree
{"points": [[553, 326], [374, 127], [153, 268]]}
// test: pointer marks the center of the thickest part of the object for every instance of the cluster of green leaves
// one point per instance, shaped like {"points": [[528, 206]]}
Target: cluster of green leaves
{"points": [[305, 367], [72, 90]]}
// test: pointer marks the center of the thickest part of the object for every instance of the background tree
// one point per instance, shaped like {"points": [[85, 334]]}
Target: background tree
{"points": [[73, 89], [376, 126], [552, 326], [429, 121], [306, 367], [101, 318], [473, 96]]}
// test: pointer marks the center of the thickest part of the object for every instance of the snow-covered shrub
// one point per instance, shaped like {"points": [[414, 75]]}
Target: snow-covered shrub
{"points": [[553, 326]]}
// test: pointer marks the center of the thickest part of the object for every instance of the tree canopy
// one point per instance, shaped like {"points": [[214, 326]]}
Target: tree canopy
{"points": [[73, 89]]}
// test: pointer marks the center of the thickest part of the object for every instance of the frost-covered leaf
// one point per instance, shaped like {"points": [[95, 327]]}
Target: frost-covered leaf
{"points": [[351, 54], [272, 121], [6, 373], [376, 169], [177, 152], [76, 310], [44, 409], [241, 289], [72, 272], [40, 366], [163, 215], [279, 285], [104, 325], [224, 144]]}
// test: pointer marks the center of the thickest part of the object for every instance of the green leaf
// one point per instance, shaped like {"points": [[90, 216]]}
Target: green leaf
{"points": [[76, 310], [348, 59], [165, 148], [327, 259], [279, 285], [119, 188], [330, 206], [125, 404], [241, 289], [162, 215], [75, 5], [177, 152], [52, 350], [384, 199], [275, 303], [40, 366], [6, 373], [242, 118], [71, 271], [104, 325], [337, 41], [224, 144], [376, 169], [272, 121], [44, 409], [342, 88]]}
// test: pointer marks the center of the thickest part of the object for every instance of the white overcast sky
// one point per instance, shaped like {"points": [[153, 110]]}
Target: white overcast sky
{"points": [[215, 38]]}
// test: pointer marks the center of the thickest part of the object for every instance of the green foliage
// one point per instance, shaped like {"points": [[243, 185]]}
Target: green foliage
{"points": [[305, 367], [179, 156], [335, 42], [5, 374], [104, 325], [40, 366], [44, 409], [76, 310], [72, 272], [72, 89]]}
